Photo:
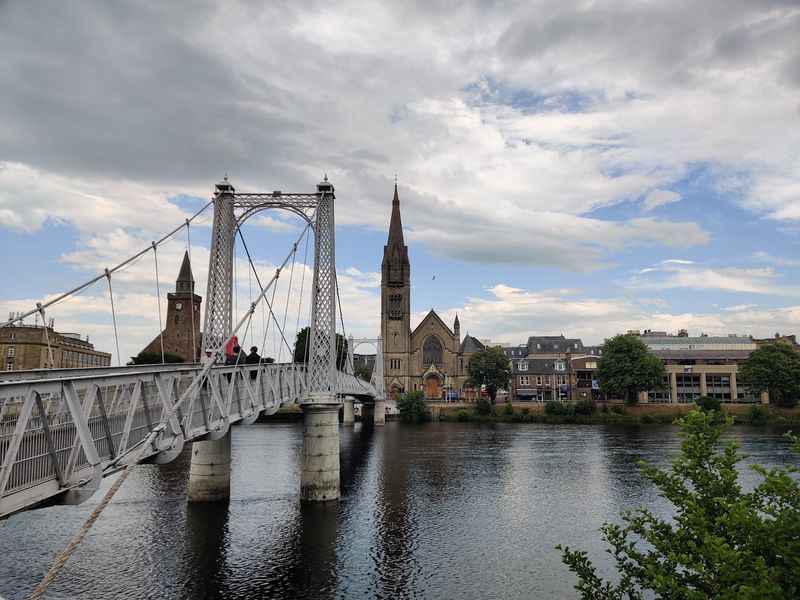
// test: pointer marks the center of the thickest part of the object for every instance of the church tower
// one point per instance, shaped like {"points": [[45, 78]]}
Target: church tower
{"points": [[396, 305], [181, 333]]}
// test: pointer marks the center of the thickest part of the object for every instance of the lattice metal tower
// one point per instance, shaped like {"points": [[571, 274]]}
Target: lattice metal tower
{"points": [[231, 210]]}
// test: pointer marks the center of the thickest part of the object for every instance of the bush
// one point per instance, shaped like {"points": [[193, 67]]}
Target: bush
{"points": [[585, 407], [723, 542], [526, 411], [508, 409], [757, 415], [483, 407], [648, 419], [556, 408], [154, 358], [604, 408], [618, 409], [462, 416], [708, 404], [412, 408]]}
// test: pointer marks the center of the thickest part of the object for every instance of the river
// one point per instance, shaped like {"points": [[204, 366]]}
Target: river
{"points": [[444, 510]]}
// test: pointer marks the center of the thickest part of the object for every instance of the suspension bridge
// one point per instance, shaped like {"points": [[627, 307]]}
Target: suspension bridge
{"points": [[63, 430]]}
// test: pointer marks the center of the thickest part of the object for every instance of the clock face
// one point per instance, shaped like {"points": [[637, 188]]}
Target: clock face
{"points": [[178, 305]]}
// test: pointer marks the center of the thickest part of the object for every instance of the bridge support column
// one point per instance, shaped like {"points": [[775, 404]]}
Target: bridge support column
{"points": [[379, 415], [367, 412], [348, 418], [319, 480], [210, 471]]}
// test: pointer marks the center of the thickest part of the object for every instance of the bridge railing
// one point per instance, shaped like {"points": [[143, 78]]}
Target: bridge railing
{"points": [[60, 435]]}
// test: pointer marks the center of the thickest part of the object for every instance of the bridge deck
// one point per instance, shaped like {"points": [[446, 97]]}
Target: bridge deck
{"points": [[61, 431]]}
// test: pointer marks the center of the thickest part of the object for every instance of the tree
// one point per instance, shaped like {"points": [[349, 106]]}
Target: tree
{"points": [[154, 358], [363, 372], [412, 408], [627, 367], [301, 353], [774, 368], [722, 543], [489, 367]]}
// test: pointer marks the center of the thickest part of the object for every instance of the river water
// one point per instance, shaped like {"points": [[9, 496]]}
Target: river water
{"points": [[444, 510]]}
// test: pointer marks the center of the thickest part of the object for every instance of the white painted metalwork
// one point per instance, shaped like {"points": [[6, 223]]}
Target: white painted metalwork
{"points": [[60, 435], [376, 381]]}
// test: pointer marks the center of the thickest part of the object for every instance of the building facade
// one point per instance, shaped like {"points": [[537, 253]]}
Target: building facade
{"points": [[181, 335], [432, 358], [24, 347]]}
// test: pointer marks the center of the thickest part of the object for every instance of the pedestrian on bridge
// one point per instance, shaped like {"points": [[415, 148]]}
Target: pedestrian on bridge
{"points": [[253, 359]]}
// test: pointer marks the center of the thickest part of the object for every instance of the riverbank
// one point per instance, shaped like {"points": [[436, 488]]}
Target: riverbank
{"points": [[618, 414]]}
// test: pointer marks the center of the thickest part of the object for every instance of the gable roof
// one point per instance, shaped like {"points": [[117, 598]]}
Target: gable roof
{"points": [[432, 315], [471, 344], [539, 344]]}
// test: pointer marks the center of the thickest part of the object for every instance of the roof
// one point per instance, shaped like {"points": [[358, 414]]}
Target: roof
{"points": [[535, 365], [541, 344], [185, 274], [395, 248], [432, 314], [471, 344], [676, 340], [702, 354]]}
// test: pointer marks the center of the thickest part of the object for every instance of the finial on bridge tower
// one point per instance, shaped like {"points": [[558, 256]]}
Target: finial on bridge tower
{"points": [[325, 178], [224, 186]]}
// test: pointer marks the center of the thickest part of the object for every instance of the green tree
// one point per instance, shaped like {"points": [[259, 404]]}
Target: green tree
{"points": [[154, 358], [627, 367], [489, 367], [722, 543], [301, 343], [412, 408], [363, 372], [774, 368]]}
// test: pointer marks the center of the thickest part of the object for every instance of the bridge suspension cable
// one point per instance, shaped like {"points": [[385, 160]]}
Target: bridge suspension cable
{"points": [[106, 273]]}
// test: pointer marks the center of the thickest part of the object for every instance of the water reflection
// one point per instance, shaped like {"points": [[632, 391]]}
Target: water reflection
{"points": [[440, 511], [206, 527]]}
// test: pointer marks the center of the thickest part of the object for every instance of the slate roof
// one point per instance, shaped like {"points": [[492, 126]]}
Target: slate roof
{"points": [[543, 344], [471, 344]]}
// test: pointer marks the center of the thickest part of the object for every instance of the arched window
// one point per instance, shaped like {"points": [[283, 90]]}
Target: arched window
{"points": [[432, 351]]}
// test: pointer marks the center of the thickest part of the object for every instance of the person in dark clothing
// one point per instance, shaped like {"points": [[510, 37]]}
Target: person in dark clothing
{"points": [[237, 358], [253, 359]]}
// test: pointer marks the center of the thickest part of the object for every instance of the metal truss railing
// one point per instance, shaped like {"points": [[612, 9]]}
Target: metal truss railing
{"points": [[60, 435]]}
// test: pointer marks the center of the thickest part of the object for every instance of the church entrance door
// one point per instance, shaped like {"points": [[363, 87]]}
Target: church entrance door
{"points": [[433, 388]]}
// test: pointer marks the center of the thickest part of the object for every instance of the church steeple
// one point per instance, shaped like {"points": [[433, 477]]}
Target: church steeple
{"points": [[185, 281], [395, 224], [396, 267]]}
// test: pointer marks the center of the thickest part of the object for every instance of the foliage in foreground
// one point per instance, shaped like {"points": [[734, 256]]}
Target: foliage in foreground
{"points": [[412, 408], [628, 367], [723, 543]]}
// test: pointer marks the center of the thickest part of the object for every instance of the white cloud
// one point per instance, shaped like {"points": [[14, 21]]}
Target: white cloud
{"points": [[656, 198], [674, 274]]}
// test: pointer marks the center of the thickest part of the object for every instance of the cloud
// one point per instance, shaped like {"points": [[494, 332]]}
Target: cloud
{"points": [[509, 315], [777, 261], [673, 274], [657, 198]]}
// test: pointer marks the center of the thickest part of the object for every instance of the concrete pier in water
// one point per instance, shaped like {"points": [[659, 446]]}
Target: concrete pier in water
{"points": [[210, 471], [348, 416], [319, 480], [379, 415]]}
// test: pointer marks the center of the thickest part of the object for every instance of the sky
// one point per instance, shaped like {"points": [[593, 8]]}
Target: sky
{"points": [[582, 168]]}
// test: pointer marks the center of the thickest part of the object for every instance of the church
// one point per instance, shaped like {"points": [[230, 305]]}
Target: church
{"points": [[432, 358]]}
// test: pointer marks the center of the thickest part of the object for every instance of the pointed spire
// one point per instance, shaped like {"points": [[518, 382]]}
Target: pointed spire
{"points": [[395, 224], [185, 281], [456, 324]]}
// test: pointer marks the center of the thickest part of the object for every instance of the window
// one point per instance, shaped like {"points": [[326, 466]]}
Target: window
{"points": [[432, 351], [562, 380], [9, 366], [559, 365], [12, 351], [538, 346], [522, 365], [396, 306], [539, 380], [394, 363], [591, 365], [524, 380]]}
